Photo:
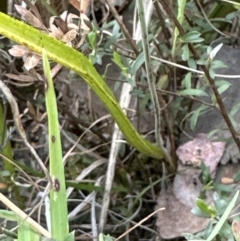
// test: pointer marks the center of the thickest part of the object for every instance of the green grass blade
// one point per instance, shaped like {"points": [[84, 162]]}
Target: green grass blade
{"points": [[5, 145], [58, 199], [26, 232]]}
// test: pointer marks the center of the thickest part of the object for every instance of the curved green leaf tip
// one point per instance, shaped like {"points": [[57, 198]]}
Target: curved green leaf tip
{"points": [[70, 58]]}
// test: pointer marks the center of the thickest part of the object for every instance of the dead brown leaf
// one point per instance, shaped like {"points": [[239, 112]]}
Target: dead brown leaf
{"points": [[21, 77], [31, 61], [18, 51], [29, 17]]}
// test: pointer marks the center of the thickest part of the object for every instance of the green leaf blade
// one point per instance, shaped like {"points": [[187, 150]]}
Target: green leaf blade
{"points": [[71, 58]]}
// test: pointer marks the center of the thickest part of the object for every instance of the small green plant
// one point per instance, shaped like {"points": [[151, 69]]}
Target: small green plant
{"points": [[219, 212]]}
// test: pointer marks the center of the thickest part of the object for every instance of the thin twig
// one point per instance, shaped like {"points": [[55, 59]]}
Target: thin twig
{"points": [[162, 23], [19, 126], [138, 224], [198, 4], [24, 216], [20, 169], [194, 70], [123, 27]]}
